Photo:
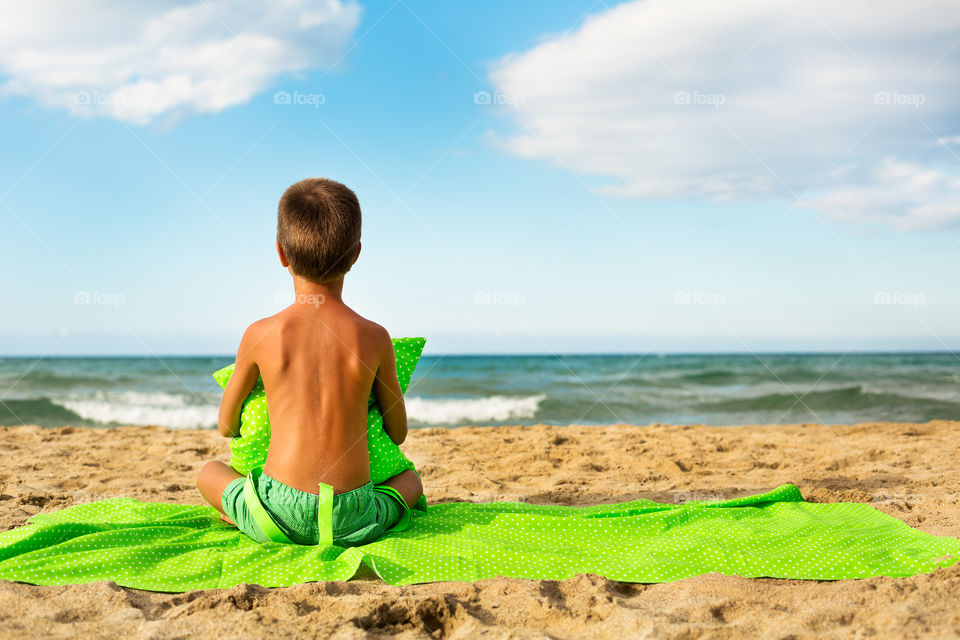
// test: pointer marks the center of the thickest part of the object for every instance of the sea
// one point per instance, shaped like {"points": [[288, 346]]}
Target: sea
{"points": [[453, 391]]}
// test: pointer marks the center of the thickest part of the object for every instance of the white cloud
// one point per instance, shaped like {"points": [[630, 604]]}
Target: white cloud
{"points": [[907, 195], [816, 100], [136, 61]]}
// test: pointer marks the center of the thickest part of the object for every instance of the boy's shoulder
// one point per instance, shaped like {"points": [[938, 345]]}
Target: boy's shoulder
{"points": [[373, 330], [261, 326], [276, 323]]}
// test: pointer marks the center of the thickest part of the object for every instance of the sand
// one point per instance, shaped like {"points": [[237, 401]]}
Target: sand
{"points": [[907, 470]]}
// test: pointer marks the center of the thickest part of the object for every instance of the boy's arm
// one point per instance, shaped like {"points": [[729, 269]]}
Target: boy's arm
{"points": [[245, 375], [389, 396]]}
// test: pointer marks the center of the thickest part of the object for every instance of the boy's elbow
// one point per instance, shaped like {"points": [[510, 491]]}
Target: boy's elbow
{"points": [[227, 428], [398, 430], [397, 434]]}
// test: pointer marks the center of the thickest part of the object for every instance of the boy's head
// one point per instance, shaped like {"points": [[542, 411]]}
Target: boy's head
{"points": [[318, 228]]}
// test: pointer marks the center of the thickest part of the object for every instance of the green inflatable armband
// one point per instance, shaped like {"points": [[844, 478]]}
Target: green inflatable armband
{"points": [[249, 449]]}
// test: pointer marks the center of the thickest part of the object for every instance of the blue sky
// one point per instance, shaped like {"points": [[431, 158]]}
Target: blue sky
{"points": [[647, 176]]}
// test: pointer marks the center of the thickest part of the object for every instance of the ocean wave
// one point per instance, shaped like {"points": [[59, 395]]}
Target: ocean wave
{"points": [[443, 411], [181, 411], [851, 398], [44, 380], [36, 411], [176, 411], [718, 377]]}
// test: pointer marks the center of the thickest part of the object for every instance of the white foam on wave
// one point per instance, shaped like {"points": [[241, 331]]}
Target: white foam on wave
{"points": [[137, 408], [442, 411], [179, 411]]}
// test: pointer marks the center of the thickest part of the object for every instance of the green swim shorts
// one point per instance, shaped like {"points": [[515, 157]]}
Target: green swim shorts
{"points": [[359, 516]]}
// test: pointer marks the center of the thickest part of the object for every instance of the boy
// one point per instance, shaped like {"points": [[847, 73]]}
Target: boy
{"points": [[319, 360]]}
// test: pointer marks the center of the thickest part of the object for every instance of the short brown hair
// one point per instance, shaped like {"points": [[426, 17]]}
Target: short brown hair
{"points": [[318, 228]]}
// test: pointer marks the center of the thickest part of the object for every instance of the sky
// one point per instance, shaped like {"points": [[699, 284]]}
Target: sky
{"points": [[538, 177]]}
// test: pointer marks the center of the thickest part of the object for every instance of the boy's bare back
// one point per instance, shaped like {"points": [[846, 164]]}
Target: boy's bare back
{"points": [[319, 359], [319, 363]]}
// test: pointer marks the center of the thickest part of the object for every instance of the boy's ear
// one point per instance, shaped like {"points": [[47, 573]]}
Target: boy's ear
{"points": [[283, 257], [355, 255]]}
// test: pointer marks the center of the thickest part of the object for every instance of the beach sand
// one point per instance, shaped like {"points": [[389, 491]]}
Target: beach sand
{"points": [[909, 471]]}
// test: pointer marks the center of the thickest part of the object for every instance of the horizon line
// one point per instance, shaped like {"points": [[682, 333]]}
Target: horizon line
{"points": [[542, 354]]}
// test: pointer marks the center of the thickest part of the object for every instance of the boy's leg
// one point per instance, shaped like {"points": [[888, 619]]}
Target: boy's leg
{"points": [[408, 484], [213, 479]]}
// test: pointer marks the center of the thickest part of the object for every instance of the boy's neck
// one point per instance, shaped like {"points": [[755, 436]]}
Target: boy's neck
{"points": [[327, 291]]}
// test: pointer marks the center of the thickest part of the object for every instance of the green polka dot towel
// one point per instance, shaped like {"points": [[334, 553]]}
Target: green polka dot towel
{"points": [[170, 547]]}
